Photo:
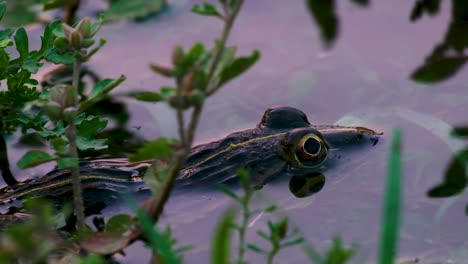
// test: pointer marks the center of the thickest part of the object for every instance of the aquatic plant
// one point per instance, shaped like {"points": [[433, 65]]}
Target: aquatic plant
{"points": [[23, 12]]}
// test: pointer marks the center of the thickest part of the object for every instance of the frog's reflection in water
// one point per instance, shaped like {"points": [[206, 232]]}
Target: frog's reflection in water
{"points": [[306, 185]]}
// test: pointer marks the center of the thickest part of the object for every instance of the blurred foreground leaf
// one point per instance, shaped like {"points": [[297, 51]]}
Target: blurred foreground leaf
{"points": [[158, 148], [119, 224], [20, 13], [221, 243], [461, 131], [324, 15], [391, 209], [138, 9], [161, 243], [206, 9], [424, 6], [336, 254], [238, 66], [435, 70], [456, 179], [52, 4], [448, 57]]}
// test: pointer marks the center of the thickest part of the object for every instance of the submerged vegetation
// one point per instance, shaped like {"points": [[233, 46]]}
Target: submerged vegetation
{"points": [[61, 115]]}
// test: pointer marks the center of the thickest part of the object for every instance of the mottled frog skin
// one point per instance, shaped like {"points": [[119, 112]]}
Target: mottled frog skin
{"points": [[283, 144]]}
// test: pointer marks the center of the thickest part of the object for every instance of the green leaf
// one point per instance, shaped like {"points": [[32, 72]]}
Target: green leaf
{"points": [[421, 6], [200, 79], [58, 131], [84, 143], [67, 162], [244, 178], [438, 69], [221, 243], [193, 55], [90, 126], [48, 38], [294, 242], [456, 178], [155, 175], [33, 158], [312, 254], [263, 235], [228, 192], [158, 148], [57, 57], [324, 15], [337, 254], [21, 42], [391, 209], [100, 90], [206, 9], [271, 209], [157, 240], [124, 9], [31, 66], [5, 36], [5, 43], [239, 66], [119, 224], [461, 131], [20, 13], [102, 86], [60, 146], [361, 2], [167, 92], [2, 9], [4, 60], [91, 259], [256, 249], [147, 96], [53, 4]]}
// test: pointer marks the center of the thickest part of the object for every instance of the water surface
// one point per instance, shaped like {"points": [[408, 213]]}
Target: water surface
{"points": [[362, 80]]}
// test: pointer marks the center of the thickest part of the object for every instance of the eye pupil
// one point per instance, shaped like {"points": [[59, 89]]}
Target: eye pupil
{"points": [[312, 146]]}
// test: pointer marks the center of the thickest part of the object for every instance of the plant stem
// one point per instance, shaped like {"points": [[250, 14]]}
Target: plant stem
{"points": [[193, 126], [4, 163], [70, 12], [180, 117], [230, 17], [245, 222], [73, 152], [155, 205], [272, 254]]}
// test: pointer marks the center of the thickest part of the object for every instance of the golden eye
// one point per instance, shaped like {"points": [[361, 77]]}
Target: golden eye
{"points": [[311, 150], [305, 148], [311, 145]]}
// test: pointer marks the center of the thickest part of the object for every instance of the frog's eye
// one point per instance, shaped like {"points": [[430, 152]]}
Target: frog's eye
{"points": [[311, 151], [305, 148], [310, 145]]}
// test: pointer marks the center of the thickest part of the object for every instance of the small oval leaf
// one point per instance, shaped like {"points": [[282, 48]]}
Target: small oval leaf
{"points": [[119, 224], [33, 158]]}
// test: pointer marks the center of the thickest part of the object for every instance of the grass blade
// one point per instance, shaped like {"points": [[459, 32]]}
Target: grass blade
{"points": [[221, 245], [391, 209]]}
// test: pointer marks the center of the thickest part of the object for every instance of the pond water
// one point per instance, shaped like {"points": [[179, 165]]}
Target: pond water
{"points": [[362, 80]]}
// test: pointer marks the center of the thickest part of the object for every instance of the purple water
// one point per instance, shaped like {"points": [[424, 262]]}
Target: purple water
{"points": [[362, 80]]}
